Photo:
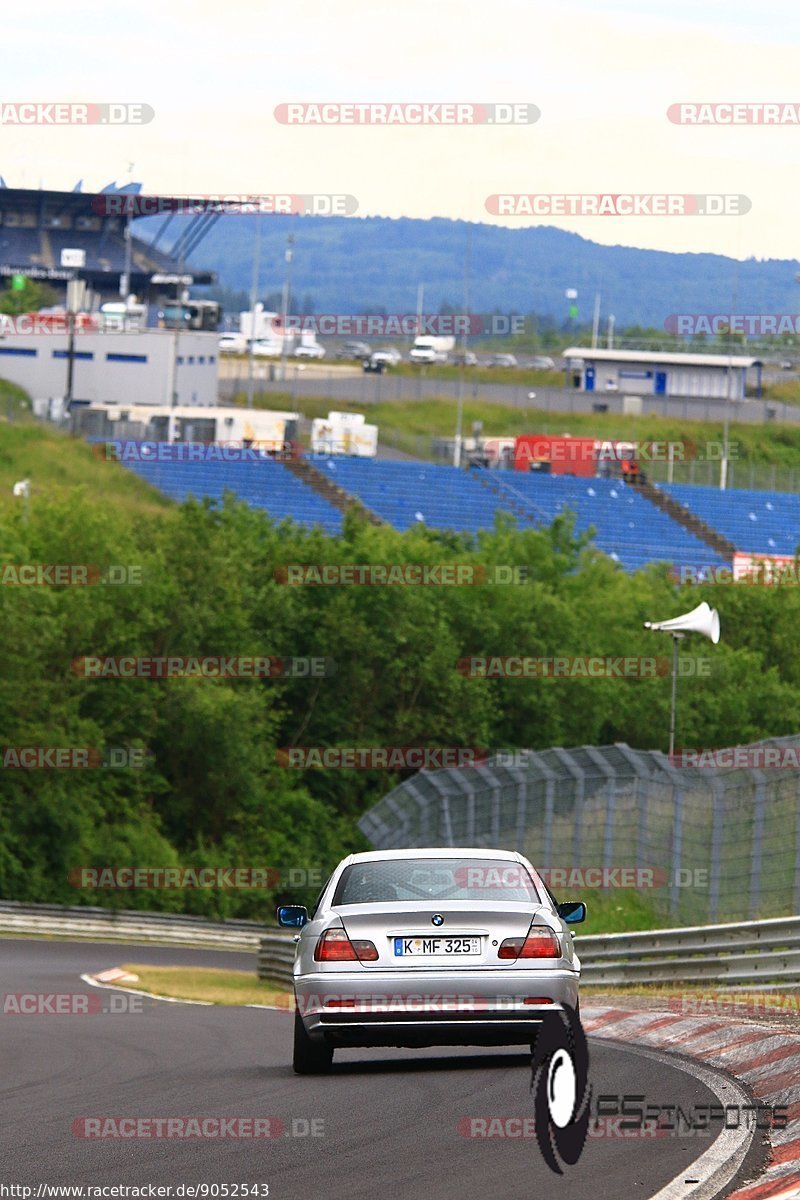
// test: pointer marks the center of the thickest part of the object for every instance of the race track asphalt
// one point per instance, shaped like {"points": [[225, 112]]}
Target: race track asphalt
{"points": [[387, 1120]]}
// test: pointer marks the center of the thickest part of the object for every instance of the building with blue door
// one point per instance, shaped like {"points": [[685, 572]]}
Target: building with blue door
{"points": [[660, 373]]}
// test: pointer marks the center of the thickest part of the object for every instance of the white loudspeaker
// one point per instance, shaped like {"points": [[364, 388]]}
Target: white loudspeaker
{"points": [[702, 619]]}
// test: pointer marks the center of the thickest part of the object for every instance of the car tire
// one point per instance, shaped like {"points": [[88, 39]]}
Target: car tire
{"points": [[309, 1057]]}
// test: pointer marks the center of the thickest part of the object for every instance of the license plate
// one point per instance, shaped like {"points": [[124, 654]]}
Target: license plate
{"points": [[457, 947]]}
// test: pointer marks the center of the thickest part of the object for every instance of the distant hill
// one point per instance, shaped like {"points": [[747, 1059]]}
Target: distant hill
{"points": [[355, 264]]}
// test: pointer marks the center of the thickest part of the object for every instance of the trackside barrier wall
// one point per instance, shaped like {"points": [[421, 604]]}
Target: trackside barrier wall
{"points": [[754, 955], [722, 843]]}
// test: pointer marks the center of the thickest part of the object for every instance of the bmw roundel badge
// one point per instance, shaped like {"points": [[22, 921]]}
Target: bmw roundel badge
{"points": [[437, 919]]}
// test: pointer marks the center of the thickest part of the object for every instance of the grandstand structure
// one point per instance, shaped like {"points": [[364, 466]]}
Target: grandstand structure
{"points": [[264, 483], [37, 226], [756, 522], [627, 526]]}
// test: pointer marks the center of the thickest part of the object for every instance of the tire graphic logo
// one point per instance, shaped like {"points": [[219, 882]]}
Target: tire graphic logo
{"points": [[559, 1078]]}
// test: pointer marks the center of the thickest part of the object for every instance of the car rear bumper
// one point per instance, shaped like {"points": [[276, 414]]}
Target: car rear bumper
{"points": [[380, 1008]]}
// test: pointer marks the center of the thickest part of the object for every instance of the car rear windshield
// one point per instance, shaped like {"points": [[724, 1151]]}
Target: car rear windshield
{"points": [[385, 880]]}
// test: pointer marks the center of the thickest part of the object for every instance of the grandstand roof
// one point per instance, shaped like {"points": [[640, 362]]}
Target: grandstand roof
{"points": [[658, 356], [51, 221]]}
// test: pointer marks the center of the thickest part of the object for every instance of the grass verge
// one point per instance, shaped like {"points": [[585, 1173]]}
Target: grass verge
{"points": [[214, 985]]}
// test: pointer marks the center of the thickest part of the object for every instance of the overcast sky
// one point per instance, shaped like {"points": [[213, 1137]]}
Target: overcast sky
{"points": [[603, 76]]}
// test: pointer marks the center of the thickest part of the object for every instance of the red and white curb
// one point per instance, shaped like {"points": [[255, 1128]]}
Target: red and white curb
{"points": [[766, 1061]]}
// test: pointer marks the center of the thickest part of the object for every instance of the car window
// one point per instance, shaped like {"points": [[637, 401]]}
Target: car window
{"points": [[408, 879]]}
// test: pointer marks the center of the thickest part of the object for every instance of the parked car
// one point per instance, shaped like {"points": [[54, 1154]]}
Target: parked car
{"points": [[232, 343], [357, 350], [267, 348], [787, 365], [314, 351], [429, 947], [465, 359], [542, 363], [431, 350], [390, 358], [503, 360]]}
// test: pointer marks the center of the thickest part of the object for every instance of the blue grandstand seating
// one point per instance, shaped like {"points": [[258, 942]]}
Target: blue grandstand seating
{"points": [[19, 246], [756, 522], [263, 484], [628, 527], [104, 251]]}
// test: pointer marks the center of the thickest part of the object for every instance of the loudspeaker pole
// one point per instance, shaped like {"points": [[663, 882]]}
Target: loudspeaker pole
{"points": [[675, 639]]}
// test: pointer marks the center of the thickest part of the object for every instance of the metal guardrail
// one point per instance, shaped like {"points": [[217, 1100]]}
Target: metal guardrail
{"points": [[123, 925], [754, 955], [762, 955], [276, 958]]}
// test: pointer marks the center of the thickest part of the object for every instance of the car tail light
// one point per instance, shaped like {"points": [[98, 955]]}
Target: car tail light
{"points": [[540, 943], [335, 946]]}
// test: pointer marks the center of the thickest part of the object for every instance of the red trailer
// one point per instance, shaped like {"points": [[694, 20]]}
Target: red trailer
{"points": [[583, 456]]}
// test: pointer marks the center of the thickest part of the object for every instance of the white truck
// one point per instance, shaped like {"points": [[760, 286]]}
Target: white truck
{"points": [[431, 349], [344, 433]]}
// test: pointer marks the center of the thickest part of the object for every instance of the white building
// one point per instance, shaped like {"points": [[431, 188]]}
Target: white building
{"points": [[144, 367], [658, 373]]}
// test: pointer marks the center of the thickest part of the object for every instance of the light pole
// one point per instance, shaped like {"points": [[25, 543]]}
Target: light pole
{"points": [[596, 320], [253, 299], [76, 291], [462, 368], [286, 292]]}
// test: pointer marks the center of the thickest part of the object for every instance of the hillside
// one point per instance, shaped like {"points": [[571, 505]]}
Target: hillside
{"points": [[362, 264]]}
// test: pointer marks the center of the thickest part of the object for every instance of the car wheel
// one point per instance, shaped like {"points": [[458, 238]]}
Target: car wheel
{"points": [[309, 1057]]}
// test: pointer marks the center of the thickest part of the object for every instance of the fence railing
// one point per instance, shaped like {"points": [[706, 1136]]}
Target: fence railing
{"points": [[101, 924], [750, 955], [716, 843], [276, 957], [754, 955]]}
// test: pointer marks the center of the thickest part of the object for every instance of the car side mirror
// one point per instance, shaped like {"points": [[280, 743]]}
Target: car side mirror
{"points": [[573, 912], [292, 916]]}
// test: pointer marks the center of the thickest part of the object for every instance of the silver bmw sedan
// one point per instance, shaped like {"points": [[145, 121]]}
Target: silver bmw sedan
{"points": [[429, 948]]}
